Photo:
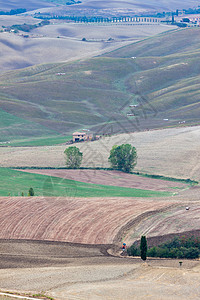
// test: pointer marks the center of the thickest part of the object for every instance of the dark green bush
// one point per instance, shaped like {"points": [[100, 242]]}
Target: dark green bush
{"points": [[179, 247]]}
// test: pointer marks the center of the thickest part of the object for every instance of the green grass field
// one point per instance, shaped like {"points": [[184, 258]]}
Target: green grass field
{"points": [[41, 141], [13, 183]]}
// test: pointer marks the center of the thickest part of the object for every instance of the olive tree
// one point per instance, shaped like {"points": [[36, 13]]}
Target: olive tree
{"points": [[123, 158], [73, 157]]}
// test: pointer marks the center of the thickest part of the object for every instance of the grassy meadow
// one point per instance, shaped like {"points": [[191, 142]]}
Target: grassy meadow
{"points": [[13, 183]]}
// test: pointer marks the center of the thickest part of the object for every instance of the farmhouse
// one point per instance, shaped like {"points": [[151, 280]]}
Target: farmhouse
{"points": [[79, 136], [83, 136]]}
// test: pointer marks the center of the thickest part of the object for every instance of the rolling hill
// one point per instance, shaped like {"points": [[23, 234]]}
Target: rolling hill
{"points": [[160, 75], [29, 4], [145, 4], [117, 7], [101, 4]]}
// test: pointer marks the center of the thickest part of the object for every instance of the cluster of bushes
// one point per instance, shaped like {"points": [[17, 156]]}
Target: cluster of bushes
{"points": [[72, 2], [13, 12], [28, 27], [189, 181], [191, 11], [179, 247]]}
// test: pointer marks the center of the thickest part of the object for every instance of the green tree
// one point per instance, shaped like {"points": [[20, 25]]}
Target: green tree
{"points": [[31, 192], [133, 251], [73, 157], [123, 158], [143, 247]]}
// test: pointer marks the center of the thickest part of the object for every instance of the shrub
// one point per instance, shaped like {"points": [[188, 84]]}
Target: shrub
{"points": [[31, 192], [133, 251]]}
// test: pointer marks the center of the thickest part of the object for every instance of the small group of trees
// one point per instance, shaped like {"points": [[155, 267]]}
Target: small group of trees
{"points": [[179, 247], [28, 27], [122, 158], [30, 193]]}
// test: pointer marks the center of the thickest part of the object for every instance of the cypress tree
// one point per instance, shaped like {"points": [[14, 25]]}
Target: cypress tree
{"points": [[31, 192], [143, 247]]}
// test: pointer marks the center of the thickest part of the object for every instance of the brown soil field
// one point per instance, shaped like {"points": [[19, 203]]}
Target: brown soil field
{"points": [[114, 178], [81, 271], [59, 275], [173, 152], [72, 220]]}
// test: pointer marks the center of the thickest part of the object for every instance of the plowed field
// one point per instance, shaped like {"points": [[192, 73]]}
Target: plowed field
{"points": [[88, 221], [114, 178]]}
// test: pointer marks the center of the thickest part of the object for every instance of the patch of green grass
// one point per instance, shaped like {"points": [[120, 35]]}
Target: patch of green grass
{"points": [[13, 183], [13, 128], [42, 141]]}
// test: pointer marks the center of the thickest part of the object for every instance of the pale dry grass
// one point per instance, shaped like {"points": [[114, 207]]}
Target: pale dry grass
{"points": [[43, 45], [171, 152], [128, 280]]}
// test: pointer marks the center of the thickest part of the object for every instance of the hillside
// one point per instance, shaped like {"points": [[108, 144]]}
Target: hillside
{"points": [[62, 42], [28, 4], [101, 4], [118, 7], [96, 93]]}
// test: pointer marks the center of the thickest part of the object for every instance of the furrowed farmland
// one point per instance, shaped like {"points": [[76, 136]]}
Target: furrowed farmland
{"points": [[70, 220]]}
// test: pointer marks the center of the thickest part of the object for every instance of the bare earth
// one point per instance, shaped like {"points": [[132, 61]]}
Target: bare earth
{"points": [[114, 178], [71, 220], [56, 273], [82, 271]]}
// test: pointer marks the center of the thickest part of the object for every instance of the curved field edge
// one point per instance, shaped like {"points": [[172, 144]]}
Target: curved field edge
{"points": [[14, 183]]}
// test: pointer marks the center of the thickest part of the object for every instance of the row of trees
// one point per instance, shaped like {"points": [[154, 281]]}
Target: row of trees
{"points": [[177, 248], [122, 158]]}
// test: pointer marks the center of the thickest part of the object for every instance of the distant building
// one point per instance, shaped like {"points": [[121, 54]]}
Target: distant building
{"points": [[79, 136], [83, 136]]}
